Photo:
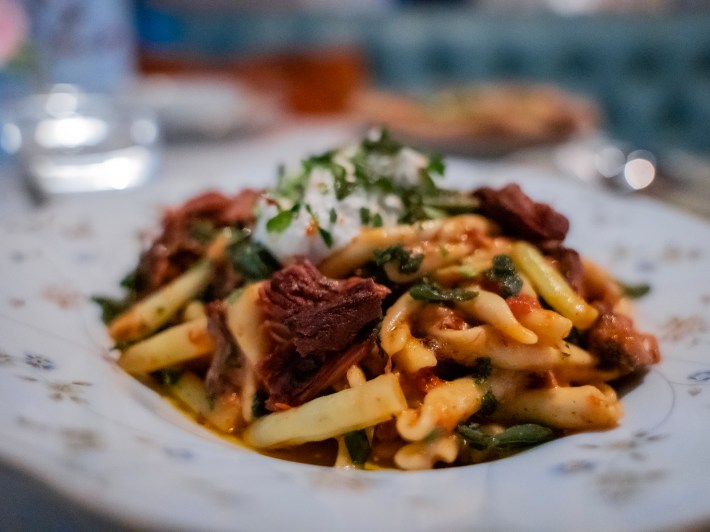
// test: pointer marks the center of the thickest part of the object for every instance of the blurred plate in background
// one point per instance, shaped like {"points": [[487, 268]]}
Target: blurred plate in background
{"points": [[481, 120], [194, 108]]}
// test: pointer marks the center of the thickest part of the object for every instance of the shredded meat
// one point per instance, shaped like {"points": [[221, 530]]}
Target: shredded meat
{"points": [[177, 248], [520, 216], [318, 327], [618, 345], [226, 370]]}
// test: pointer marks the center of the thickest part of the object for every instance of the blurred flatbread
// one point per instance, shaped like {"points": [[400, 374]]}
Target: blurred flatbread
{"points": [[483, 120]]}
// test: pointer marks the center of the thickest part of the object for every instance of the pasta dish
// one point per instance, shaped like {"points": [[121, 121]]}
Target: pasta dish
{"points": [[358, 314]]}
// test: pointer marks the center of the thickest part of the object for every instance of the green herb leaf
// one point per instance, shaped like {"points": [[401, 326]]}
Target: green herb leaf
{"points": [[258, 404], [430, 291], [505, 276], [341, 185], [474, 436], [515, 438], [482, 368], [489, 404], [111, 307], [129, 281], [282, 221], [333, 216], [358, 446], [436, 164], [326, 236], [523, 436], [252, 260], [635, 291], [408, 263], [292, 186], [384, 145]]}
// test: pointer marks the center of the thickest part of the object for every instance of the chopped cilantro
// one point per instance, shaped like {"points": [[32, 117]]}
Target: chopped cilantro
{"points": [[342, 186], [367, 218], [282, 221], [635, 291], [428, 290], [129, 281], [358, 446], [504, 275], [489, 404], [482, 368], [291, 186], [333, 216], [428, 186], [324, 234], [111, 307], [252, 260], [436, 164], [385, 144], [407, 262]]}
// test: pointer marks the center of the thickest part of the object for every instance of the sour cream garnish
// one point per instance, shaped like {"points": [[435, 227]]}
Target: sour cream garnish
{"points": [[314, 222]]}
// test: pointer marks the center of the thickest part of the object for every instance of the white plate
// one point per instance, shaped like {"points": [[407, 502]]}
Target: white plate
{"points": [[191, 108], [74, 420]]}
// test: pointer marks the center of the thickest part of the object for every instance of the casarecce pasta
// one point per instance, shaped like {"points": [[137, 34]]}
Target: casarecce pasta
{"points": [[361, 313]]}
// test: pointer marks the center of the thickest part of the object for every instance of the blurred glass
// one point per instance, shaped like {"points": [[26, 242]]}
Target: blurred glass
{"points": [[89, 43], [70, 141]]}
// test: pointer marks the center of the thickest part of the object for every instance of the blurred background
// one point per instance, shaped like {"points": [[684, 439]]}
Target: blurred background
{"points": [[646, 62], [475, 77]]}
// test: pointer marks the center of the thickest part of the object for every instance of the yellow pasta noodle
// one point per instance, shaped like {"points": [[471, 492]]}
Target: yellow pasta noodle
{"points": [[566, 407], [332, 415], [224, 413], [425, 454], [552, 286], [443, 407], [175, 345], [396, 338], [146, 316], [492, 309]]}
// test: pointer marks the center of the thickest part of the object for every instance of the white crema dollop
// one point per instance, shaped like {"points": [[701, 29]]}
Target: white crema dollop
{"points": [[321, 223]]}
